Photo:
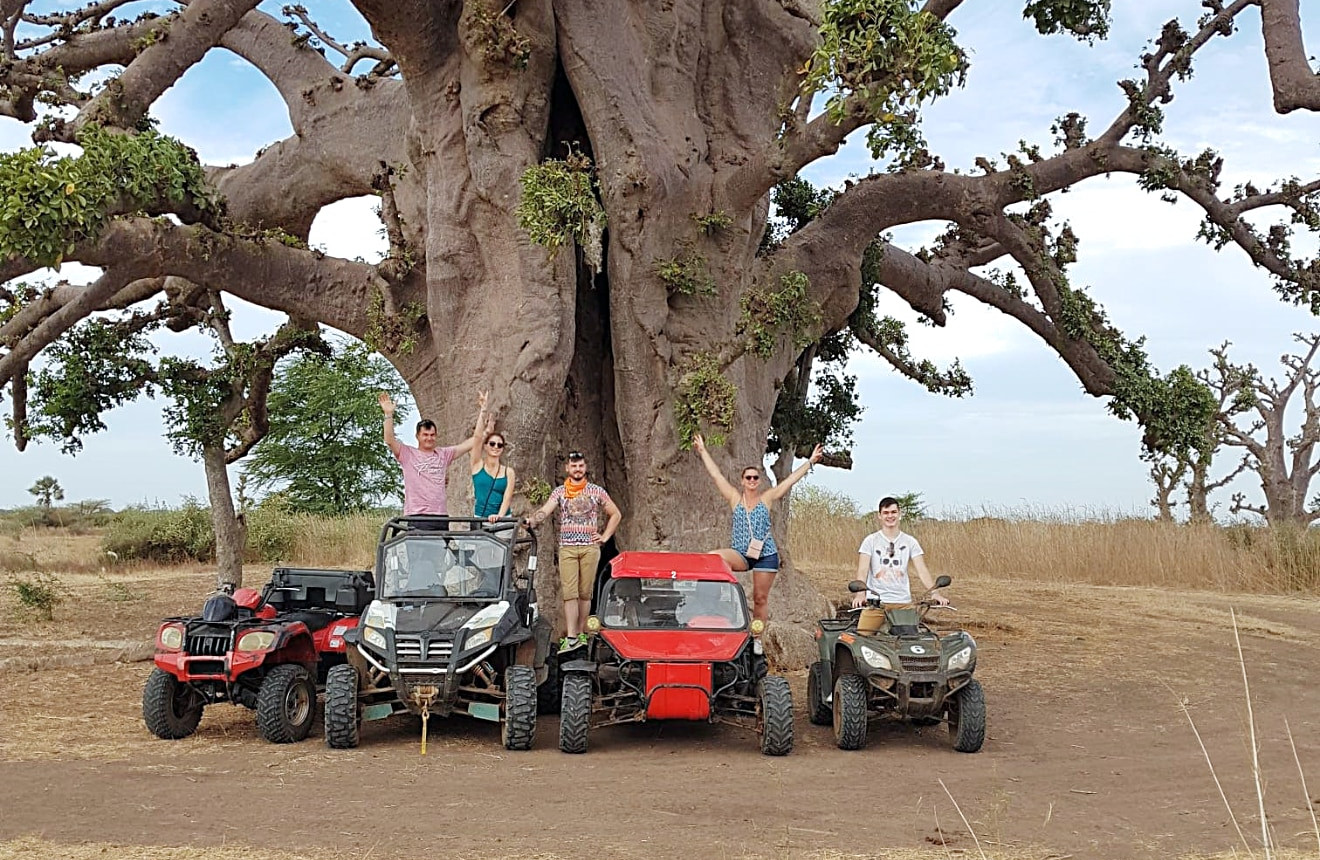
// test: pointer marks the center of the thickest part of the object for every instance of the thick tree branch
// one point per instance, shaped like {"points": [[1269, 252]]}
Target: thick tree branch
{"points": [[1295, 83], [198, 29]]}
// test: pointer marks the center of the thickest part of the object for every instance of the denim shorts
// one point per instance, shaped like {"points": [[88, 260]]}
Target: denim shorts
{"points": [[768, 563]]}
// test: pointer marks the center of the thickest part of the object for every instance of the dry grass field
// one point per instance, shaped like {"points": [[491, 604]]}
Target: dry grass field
{"points": [[1100, 643]]}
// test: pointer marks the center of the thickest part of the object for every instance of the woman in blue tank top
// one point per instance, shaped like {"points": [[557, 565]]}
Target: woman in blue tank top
{"points": [[492, 481], [753, 547]]}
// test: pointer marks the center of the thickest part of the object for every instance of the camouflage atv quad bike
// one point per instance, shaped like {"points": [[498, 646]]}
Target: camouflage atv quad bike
{"points": [[904, 671]]}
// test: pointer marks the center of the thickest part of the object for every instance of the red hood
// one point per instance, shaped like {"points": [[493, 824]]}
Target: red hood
{"points": [[695, 645]]}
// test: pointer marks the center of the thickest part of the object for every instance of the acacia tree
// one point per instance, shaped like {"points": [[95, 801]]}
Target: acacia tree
{"points": [[576, 192], [214, 412]]}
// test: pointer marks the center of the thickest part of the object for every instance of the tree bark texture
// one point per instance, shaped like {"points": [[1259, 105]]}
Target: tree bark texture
{"points": [[688, 109]]}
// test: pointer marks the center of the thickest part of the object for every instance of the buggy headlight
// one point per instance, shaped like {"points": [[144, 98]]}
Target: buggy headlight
{"points": [[875, 659], [171, 637], [257, 640], [593, 624], [372, 636], [477, 638], [961, 659]]}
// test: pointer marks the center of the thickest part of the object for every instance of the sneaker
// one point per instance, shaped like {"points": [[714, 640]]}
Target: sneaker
{"points": [[582, 640], [567, 644], [757, 647]]}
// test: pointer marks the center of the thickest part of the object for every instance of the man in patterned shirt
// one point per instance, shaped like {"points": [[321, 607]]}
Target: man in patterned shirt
{"points": [[580, 505]]}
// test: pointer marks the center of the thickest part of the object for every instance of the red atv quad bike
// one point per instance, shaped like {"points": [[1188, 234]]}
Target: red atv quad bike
{"points": [[267, 651], [671, 640]]}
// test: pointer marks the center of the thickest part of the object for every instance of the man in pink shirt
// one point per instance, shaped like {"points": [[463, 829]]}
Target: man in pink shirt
{"points": [[424, 467]]}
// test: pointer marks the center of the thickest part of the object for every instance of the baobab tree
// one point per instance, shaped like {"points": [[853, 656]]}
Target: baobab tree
{"points": [[576, 194]]}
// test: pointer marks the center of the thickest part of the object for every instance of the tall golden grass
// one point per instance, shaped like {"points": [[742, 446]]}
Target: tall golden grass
{"points": [[1113, 551]]}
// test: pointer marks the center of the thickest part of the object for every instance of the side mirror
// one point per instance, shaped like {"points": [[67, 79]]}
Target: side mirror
{"points": [[856, 585], [942, 581]]}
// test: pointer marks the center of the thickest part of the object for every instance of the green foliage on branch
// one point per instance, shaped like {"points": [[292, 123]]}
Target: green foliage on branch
{"points": [[496, 38], [686, 275], [392, 332], [49, 203], [96, 366], [827, 415], [322, 452], [1173, 410], [1086, 19], [884, 58], [767, 314], [705, 398], [559, 202]]}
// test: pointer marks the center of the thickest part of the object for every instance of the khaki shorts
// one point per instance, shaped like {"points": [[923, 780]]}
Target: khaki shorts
{"points": [[873, 618], [577, 571]]}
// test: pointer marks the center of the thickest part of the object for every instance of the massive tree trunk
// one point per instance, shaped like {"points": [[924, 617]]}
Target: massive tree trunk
{"points": [[690, 112]]}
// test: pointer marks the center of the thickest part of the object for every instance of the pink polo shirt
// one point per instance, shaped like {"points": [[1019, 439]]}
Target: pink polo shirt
{"points": [[424, 479]]}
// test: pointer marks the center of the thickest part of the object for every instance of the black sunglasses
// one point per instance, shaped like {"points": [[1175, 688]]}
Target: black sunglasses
{"points": [[751, 477], [495, 444], [576, 455]]}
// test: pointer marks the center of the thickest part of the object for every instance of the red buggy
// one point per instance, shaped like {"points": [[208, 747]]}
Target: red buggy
{"points": [[671, 639]]}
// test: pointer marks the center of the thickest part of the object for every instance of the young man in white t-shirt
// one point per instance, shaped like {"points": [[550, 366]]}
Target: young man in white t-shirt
{"points": [[883, 564]]}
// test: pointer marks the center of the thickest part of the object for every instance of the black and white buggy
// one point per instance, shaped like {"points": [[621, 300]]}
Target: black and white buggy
{"points": [[454, 629]]}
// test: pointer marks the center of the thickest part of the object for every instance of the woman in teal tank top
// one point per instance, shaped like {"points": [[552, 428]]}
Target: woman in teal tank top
{"points": [[492, 481]]}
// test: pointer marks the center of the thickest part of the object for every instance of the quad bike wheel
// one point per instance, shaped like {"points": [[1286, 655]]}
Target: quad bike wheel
{"points": [[170, 709], [342, 717], [850, 712], [774, 704], [967, 718], [818, 710], [575, 714], [518, 728], [286, 704]]}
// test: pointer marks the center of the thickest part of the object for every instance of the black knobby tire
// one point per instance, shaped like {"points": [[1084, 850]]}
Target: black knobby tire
{"points": [[575, 714], [850, 712], [342, 718], [818, 710], [518, 729], [286, 704], [550, 691], [775, 704], [967, 718], [171, 709]]}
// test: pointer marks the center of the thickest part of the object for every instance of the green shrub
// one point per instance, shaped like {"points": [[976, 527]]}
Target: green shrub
{"points": [[162, 535], [38, 593], [272, 534]]}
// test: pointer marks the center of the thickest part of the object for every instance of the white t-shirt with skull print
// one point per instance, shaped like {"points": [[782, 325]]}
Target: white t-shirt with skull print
{"points": [[887, 580]]}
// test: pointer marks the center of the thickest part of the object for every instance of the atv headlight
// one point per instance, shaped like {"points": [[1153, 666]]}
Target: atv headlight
{"points": [[257, 640], [372, 636], [380, 615], [477, 638], [875, 659], [171, 637], [961, 659]]}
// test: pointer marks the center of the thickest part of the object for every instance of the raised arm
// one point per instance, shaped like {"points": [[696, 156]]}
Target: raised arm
{"points": [[471, 443], [770, 495], [387, 406], [722, 484], [479, 431]]}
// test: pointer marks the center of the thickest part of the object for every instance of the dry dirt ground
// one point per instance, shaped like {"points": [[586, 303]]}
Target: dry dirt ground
{"points": [[1090, 752]]}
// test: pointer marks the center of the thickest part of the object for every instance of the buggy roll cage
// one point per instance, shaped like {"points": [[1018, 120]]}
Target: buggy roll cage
{"points": [[511, 532]]}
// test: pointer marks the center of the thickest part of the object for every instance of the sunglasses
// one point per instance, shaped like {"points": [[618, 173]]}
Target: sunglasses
{"points": [[751, 477], [495, 444]]}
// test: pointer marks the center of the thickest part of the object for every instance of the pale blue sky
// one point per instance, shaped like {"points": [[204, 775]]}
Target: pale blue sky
{"points": [[1028, 438]]}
